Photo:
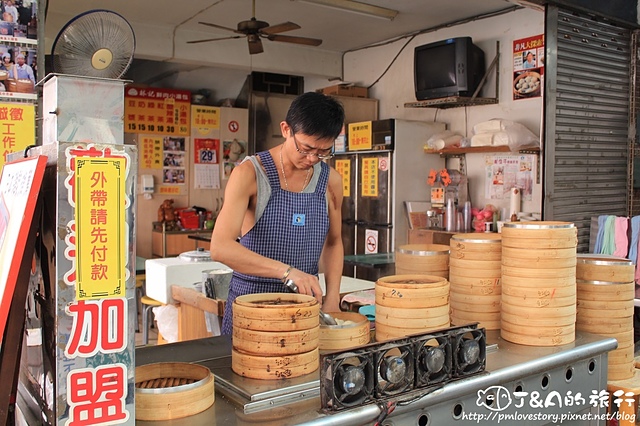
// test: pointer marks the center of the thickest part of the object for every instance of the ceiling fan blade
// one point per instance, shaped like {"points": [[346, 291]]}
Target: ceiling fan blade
{"points": [[297, 40], [221, 27], [280, 28], [213, 39], [255, 46]]}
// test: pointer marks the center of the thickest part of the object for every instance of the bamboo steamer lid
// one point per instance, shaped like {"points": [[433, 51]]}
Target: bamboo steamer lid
{"points": [[624, 338], [608, 269], [538, 320], [273, 343], [273, 367], [172, 390], [604, 330], [276, 311], [475, 264], [627, 311], [598, 290], [429, 259], [471, 316], [525, 272], [541, 302], [474, 241], [622, 355], [535, 282], [543, 230], [412, 291], [486, 324], [477, 286], [385, 332], [345, 336], [547, 311], [422, 313], [526, 340], [528, 292]]}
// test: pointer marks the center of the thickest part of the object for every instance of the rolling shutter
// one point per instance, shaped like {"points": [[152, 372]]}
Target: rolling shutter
{"points": [[587, 119]]}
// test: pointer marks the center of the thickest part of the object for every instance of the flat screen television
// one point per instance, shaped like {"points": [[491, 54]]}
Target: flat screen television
{"points": [[451, 67]]}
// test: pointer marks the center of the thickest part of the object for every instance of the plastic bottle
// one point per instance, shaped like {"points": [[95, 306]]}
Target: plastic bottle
{"points": [[466, 212], [451, 215]]}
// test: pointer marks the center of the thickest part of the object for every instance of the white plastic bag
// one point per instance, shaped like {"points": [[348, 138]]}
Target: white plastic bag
{"points": [[519, 136], [167, 319]]}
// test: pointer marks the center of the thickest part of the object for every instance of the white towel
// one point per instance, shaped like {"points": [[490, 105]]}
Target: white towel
{"points": [[482, 139]]}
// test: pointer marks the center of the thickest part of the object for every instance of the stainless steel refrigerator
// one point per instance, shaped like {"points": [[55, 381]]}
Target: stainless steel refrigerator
{"points": [[376, 183]]}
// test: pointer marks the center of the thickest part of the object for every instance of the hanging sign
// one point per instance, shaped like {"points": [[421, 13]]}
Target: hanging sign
{"points": [[370, 177], [17, 128], [360, 136], [157, 111]]}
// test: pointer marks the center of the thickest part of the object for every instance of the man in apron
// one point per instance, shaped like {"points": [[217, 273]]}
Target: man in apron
{"points": [[281, 217]]}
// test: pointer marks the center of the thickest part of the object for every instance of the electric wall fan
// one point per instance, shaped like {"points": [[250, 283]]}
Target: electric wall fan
{"points": [[97, 43]]}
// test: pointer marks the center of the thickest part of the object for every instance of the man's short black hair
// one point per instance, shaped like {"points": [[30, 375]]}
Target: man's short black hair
{"points": [[317, 115]]}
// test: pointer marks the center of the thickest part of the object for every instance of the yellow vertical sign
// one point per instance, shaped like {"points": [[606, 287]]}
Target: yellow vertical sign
{"points": [[151, 152], [100, 227], [17, 128], [370, 177], [205, 118], [344, 168], [359, 136]]}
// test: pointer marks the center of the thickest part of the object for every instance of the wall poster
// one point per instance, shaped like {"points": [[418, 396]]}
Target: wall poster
{"points": [[528, 67], [20, 183], [503, 172], [17, 128]]}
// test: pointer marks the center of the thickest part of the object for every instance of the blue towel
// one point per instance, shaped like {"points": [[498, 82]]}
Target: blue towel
{"points": [[633, 249], [598, 246]]}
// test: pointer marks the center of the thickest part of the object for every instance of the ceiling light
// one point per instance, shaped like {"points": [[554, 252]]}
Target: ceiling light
{"points": [[356, 7]]}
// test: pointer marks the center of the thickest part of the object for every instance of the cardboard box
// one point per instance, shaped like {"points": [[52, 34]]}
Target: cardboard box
{"points": [[346, 89]]}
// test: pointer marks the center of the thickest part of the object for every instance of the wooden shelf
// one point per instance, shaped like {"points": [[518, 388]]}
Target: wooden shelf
{"points": [[451, 102], [480, 149]]}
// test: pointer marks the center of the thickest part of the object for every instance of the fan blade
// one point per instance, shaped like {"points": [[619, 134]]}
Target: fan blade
{"points": [[255, 46], [297, 40], [221, 27], [213, 39], [280, 28]]}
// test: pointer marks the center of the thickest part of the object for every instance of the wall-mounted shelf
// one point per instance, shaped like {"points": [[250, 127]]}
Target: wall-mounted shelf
{"points": [[480, 149], [462, 101]]}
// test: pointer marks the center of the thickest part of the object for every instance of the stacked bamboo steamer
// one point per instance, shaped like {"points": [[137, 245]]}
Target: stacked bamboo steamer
{"points": [[410, 304], [275, 335], [606, 288], [426, 259], [474, 276], [538, 302], [352, 330]]}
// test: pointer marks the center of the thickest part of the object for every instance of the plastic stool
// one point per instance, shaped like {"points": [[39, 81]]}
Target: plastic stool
{"points": [[140, 279], [148, 303]]}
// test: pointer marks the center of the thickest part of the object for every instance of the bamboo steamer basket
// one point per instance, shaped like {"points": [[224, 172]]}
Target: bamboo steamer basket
{"points": [[271, 327], [599, 290], [274, 367], [172, 390], [612, 307], [427, 259], [487, 320], [386, 332], [345, 336], [587, 313], [19, 86], [276, 312], [538, 283], [412, 291], [608, 269], [410, 304], [537, 235], [475, 268]]}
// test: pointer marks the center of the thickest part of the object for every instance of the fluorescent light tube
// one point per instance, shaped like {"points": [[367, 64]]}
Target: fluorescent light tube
{"points": [[356, 7]]}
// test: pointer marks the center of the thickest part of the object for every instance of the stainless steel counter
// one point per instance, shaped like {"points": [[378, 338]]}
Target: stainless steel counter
{"points": [[576, 367]]}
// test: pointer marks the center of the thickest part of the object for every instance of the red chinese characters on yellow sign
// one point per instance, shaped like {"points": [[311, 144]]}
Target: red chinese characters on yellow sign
{"points": [[17, 128], [157, 111], [359, 136], [100, 227], [97, 396]]}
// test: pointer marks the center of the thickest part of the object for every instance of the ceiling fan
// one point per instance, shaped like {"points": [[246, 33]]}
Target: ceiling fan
{"points": [[254, 30]]}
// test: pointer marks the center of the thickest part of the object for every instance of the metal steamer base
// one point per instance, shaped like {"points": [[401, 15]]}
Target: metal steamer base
{"points": [[520, 385]]}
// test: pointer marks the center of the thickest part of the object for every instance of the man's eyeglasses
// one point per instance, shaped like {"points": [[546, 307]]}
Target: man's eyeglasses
{"points": [[320, 156]]}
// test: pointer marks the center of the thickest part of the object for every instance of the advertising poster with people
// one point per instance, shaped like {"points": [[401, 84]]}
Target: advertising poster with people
{"points": [[18, 48], [528, 67]]}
